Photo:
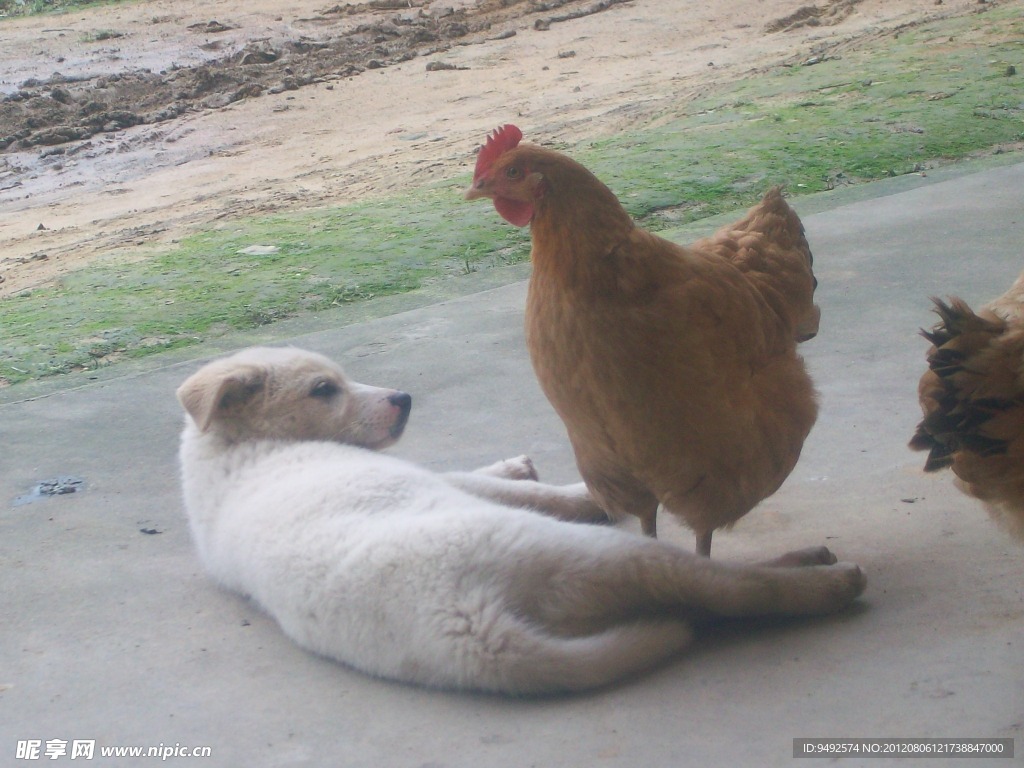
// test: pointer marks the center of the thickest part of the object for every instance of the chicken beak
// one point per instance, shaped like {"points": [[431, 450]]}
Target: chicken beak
{"points": [[808, 329], [478, 189]]}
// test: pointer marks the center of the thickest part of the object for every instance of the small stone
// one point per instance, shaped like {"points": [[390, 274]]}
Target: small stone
{"points": [[259, 250]]}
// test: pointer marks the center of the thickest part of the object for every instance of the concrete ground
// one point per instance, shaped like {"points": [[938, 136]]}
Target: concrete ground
{"points": [[110, 632]]}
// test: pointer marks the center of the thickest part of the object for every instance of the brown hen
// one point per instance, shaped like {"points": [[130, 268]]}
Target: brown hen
{"points": [[972, 396], [674, 369]]}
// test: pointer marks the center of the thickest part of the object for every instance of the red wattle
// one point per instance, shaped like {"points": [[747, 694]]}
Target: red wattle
{"points": [[513, 211]]}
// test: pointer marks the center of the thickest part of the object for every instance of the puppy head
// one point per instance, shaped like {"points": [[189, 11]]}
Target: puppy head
{"points": [[291, 394]]}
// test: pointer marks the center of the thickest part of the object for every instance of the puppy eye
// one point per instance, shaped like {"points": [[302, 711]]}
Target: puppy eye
{"points": [[324, 390]]}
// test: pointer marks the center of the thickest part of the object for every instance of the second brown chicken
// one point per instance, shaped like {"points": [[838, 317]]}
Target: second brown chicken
{"points": [[674, 368], [972, 396]]}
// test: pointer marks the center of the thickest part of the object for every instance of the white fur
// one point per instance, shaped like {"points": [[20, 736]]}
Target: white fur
{"points": [[425, 578]]}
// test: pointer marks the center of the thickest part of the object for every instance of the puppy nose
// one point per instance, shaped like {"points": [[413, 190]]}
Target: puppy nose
{"points": [[403, 402]]}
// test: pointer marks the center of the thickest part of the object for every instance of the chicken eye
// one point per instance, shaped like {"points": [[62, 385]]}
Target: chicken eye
{"points": [[512, 172], [324, 390]]}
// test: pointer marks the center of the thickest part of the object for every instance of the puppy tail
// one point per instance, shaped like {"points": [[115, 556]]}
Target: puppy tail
{"points": [[548, 664]]}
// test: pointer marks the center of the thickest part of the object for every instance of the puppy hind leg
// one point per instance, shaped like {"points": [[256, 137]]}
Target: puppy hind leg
{"points": [[539, 663], [802, 557], [637, 577]]}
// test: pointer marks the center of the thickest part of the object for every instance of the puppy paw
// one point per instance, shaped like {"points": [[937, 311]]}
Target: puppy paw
{"points": [[850, 583], [519, 468], [823, 589]]}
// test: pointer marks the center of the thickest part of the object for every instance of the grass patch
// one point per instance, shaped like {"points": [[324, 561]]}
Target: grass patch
{"points": [[250, 275], [920, 100], [939, 93]]}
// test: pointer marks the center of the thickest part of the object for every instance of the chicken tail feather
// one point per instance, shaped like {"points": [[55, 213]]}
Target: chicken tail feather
{"points": [[972, 397]]}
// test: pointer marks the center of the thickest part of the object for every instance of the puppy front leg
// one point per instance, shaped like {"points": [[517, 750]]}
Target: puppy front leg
{"points": [[565, 502]]}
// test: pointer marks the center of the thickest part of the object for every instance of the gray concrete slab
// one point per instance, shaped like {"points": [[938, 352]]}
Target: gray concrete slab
{"points": [[110, 632]]}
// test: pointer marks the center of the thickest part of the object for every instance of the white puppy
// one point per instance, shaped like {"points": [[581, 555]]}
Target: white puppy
{"points": [[459, 581]]}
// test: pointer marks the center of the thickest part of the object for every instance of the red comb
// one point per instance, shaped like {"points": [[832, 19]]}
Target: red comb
{"points": [[498, 143]]}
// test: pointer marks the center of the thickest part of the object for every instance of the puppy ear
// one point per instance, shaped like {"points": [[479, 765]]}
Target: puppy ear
{"points": [[208, 393]]}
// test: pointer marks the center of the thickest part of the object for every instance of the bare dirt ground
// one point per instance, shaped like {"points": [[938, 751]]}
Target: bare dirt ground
{"points": [[124, 127]]}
